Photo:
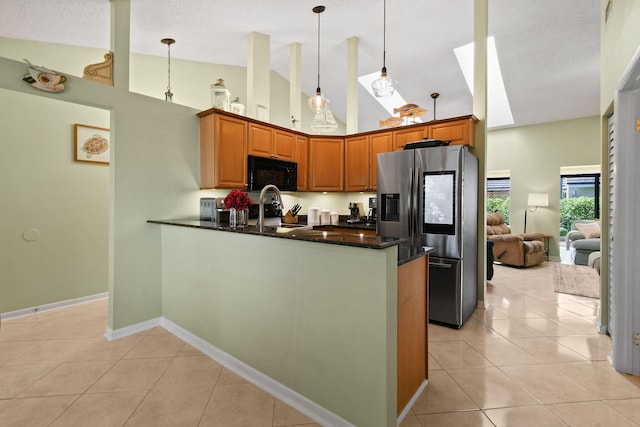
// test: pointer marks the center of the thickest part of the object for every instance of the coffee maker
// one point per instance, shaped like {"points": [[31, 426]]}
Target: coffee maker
{"points": [[373, 210], [354, 217]]}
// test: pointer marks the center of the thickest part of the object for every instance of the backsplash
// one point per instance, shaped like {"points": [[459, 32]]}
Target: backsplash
{"points": [[338, 202]]}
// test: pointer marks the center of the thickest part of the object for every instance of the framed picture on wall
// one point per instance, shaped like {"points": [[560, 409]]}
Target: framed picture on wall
{"points": [[91, 143]]}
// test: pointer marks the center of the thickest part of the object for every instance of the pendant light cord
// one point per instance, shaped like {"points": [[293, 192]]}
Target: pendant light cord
{"points": [[169, 67], [384, 37], [318, 87]]}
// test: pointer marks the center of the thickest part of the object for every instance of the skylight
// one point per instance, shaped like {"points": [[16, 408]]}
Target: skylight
{"points": [[498, 108]]}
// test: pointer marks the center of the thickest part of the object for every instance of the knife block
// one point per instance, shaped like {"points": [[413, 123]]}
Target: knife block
{"points": [[289, 218]]}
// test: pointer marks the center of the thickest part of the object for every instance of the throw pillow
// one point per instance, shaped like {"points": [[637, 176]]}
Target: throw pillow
{"points": [[590, 230]]}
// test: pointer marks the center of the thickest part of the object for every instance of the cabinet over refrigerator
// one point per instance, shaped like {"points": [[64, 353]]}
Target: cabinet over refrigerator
{"points": [[429, 196]]}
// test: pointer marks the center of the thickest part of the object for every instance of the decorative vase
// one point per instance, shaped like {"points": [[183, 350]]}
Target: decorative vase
{"points": [[238, 217], [243, 217], [233, 217]]}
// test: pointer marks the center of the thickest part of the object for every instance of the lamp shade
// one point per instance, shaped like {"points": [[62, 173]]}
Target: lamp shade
{"points": [[317, 103], [384, 85], [538, 199]]}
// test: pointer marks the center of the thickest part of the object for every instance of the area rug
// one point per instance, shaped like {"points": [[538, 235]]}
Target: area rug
{"points": [[576, 280]]}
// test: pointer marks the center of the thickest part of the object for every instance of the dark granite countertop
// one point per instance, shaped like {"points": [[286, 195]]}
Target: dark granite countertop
{"points": [[356, 225], [364, 241], [406, 251]]}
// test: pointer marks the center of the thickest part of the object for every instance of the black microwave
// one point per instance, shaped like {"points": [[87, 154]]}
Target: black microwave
{"points": [[264, 171]]}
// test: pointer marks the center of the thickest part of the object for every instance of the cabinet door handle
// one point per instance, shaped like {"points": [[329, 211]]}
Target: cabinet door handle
{"points": [[274, 156]]}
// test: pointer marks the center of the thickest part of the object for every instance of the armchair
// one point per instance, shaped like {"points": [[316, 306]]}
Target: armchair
{"points": [[520, 250]]}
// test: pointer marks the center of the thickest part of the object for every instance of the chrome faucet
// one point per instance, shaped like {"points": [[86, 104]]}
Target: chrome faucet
{"points": [[261, 203]]}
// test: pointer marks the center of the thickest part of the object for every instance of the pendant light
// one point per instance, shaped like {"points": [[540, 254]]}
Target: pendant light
{"points": [[318, 103], [384, 86], [168, 96]]}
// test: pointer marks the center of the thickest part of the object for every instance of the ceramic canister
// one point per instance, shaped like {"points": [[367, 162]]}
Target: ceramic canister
{"points": [[313, 216], [325, 217], [334, 218]]}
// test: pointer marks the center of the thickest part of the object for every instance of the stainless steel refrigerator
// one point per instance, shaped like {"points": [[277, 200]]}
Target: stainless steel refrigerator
{"points": [[429, 196]]}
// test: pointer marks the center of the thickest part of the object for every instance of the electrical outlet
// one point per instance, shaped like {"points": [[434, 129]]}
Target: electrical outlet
{"points": [[636, 338]]}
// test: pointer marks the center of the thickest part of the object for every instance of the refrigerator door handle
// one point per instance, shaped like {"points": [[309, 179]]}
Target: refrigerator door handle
{"points": [[416, 206], [410, 203], [439, 265]]}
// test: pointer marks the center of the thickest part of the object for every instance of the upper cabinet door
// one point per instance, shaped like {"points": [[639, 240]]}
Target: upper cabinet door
{"points": [[378, 143], [230, 146], [284, 145], [401, 137], [356, 163], [259, 140], [326, 164], [459, 132]]}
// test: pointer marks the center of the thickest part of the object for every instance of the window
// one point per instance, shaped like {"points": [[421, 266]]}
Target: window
{"points": [[579, 198], [498, 200]]}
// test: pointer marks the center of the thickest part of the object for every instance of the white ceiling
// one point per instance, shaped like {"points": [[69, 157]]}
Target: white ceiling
{"points": [[548, 49]]}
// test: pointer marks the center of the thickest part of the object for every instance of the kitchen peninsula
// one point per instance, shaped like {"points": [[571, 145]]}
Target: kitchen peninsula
{"points": [[330, 321]]}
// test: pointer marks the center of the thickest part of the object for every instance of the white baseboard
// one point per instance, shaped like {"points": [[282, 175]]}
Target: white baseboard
{"points": [[53, 306], [407, 408], [111, 335], [602, 329], [285, 394]]}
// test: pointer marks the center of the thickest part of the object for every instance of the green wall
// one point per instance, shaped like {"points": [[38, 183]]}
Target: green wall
{"points": [[43, 188], [534, 155], [74, 220], [318, 318], [620, 38]]}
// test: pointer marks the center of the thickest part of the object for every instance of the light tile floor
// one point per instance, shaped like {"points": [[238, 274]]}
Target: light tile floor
{"points": [[57, 370], [532, 358]]}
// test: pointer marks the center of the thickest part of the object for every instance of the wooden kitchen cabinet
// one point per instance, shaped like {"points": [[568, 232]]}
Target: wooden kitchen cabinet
{"points": [[265, 141], [284, 145], [410, 134], [223, 152], [361, 160], [259, 141], [326, 164], [357, 160], [378, 143], [302, 158], [459, 132], [413, 317]]}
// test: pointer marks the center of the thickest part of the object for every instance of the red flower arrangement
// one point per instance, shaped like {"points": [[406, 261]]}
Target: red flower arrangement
{"points": [[238, 200]]}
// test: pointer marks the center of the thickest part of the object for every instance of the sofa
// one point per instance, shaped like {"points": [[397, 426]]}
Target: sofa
{"points": [[583, 239], [518, 250]]}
